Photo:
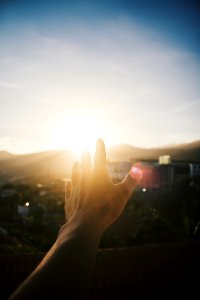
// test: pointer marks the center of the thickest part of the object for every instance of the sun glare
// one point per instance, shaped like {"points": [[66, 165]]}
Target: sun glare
{"points": [[78, 133]]}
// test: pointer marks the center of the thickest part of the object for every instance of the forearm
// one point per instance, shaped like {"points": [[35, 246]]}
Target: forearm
{"points": [[66, 269], [93, 203]]}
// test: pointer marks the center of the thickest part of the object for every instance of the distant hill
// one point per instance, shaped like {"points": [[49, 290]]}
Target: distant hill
{"points": [[51, 164], [183, 152], [48, 165], [5, 155]]}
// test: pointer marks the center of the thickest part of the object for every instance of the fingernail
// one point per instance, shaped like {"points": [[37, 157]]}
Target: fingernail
{"points": [[100, 142]]}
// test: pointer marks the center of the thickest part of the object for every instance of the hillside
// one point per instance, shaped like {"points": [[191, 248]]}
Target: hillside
{"points": [[51, 164], [5, 155], [184, 152], [40, 166]]}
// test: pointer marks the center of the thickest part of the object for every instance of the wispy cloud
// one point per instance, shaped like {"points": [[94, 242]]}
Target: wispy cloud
{"points": [[125, 73], [185, 107]]}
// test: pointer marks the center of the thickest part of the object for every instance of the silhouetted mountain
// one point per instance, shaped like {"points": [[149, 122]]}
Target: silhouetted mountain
{"points": [[40, 165], [183, 152], [51, 164], [5, 155]]}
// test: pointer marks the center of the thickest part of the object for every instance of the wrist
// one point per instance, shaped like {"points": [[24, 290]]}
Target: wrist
{"points": [[82, 227]]}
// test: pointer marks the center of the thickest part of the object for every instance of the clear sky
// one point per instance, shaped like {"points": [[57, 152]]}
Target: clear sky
{"points": [[73, 71]]}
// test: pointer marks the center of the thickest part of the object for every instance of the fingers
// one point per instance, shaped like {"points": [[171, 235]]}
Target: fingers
{"points": [[86, 165], [75, 174], [70, 202], [80, 176], [68, 188], [100, 157], [86, 168], [83, 170]]}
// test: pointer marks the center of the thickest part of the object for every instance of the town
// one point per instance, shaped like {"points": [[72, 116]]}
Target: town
{"points": [[164, 207]]}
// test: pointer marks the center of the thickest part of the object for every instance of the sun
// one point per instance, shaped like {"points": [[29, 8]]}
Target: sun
{"points": [[78, 133]]}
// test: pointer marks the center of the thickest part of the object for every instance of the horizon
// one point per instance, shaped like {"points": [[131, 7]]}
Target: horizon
{"points": [[78, 70], [78, 154]]}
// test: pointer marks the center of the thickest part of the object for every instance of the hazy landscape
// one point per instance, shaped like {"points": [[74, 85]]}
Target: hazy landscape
{"points": [[58, 163], [126, 71]]}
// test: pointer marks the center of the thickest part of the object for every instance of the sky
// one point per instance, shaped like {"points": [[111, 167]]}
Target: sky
{"points": [[74, 71]]}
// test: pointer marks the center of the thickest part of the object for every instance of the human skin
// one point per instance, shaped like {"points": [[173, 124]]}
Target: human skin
{"points": [[92, 204]]}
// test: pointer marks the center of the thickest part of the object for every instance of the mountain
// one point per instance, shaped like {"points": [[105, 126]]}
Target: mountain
{"points": [[183, 152], [45, 166], [5, 155], [38, 166]]}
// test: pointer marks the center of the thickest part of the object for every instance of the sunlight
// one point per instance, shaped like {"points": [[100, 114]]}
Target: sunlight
{"points": [[78, 133], [136, 172]]}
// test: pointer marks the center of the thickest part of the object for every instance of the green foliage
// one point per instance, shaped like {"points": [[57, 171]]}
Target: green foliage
{"points": [[155, 216], [158, 216]]}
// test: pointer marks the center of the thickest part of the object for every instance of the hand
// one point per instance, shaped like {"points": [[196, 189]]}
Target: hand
{"points": [[91, 197], [93, 202]]}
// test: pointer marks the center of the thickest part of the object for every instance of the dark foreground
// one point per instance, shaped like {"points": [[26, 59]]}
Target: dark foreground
{"points": [[159, 271]]}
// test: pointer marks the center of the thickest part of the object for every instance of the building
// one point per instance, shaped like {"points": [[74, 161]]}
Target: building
{"points": [[156, 174], [194, 169]]}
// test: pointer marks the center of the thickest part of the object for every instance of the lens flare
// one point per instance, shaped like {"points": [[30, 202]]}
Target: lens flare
{"points": [[136, 172]]}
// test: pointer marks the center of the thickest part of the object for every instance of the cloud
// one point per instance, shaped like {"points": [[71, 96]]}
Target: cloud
{"points": [[16, 144], [186, 106], [126, 73]]}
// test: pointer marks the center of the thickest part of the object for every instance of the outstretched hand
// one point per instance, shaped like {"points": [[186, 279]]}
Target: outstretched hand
{"points": [[92, 203], [92, 197]]}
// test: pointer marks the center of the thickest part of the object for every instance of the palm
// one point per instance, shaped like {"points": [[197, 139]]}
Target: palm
{"points": [[92, 190]]}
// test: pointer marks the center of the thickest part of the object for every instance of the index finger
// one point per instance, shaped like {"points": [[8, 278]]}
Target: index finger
{"points": [[100, 157]]}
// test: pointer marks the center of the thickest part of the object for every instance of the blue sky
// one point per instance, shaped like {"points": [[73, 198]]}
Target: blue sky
{"points": [[71, 71]]}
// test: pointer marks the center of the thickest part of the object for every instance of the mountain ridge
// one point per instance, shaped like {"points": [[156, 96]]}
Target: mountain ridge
{"points": [[186, 151], [58, 163], [196, 143]]}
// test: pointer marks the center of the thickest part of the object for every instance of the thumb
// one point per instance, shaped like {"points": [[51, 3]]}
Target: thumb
{"points": [[131, 180]]}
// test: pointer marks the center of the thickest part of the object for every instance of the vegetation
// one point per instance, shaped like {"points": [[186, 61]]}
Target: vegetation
{"points": [[54, 164], [154, 216], [157, 216]]}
